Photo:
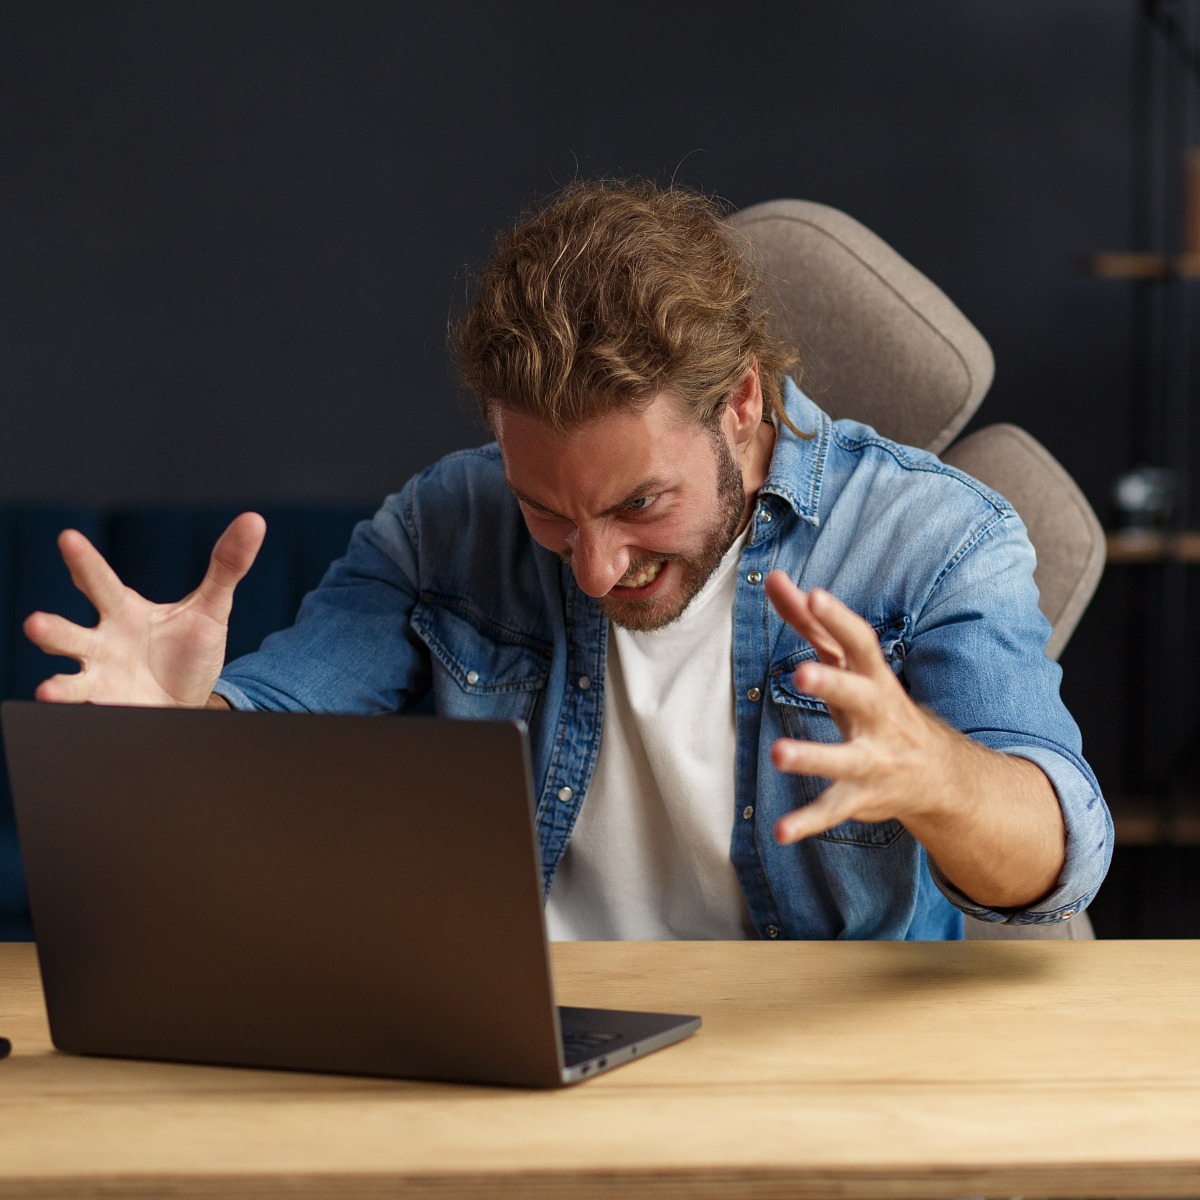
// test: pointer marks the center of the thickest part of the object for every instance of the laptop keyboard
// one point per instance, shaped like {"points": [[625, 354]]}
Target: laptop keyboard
{"points": [[580, 1044]]}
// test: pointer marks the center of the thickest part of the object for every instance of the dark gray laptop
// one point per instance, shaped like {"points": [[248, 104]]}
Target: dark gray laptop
{"points": [[325, 893]]}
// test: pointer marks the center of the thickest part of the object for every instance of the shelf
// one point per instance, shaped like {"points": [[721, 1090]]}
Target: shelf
{"points": [[1140, 821], [1153, 546], [1144, 266]]}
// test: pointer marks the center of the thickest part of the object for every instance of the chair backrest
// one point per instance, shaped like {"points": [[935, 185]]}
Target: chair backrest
{"points": [[1065, 532], [883, 344], [880, 342]]}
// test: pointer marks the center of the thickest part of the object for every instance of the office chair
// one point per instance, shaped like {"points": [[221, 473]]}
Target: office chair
{"points": [[883, 344]]}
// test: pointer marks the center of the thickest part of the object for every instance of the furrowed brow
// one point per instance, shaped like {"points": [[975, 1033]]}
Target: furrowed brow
{"points": [[524, 499], [648, 487]]}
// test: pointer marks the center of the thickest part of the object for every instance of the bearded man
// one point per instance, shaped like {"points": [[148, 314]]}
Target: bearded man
{"points": [[782, 677]]}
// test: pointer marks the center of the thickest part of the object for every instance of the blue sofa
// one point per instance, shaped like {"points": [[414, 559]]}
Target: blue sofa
{"points": [[163, 553]]}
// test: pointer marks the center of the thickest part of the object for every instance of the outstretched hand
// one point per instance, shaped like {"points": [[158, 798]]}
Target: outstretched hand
{"points": [[891, 750], [167, 655], [991, 822]]}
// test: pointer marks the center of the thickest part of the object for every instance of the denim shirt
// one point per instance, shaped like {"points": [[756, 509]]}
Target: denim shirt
{"points": [[444, 600]]}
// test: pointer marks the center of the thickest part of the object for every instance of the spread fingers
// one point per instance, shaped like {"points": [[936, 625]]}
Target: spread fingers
{"points": [[828, 760], [852, 694], [90, 573], [859, 640], [65, 689], [57, 635], [795, 607]]}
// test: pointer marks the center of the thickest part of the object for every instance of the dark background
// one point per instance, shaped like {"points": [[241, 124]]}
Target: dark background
{"points": [[232, 234]]}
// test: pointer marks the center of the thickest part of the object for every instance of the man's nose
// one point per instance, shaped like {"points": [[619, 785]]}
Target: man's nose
{"points": [[598, 561]]}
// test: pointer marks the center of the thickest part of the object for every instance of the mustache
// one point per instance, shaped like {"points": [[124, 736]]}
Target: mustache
{"points": [[634, 567]]}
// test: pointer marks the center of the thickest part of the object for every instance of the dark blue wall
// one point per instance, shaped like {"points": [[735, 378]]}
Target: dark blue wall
{"points": [[232, 233]]}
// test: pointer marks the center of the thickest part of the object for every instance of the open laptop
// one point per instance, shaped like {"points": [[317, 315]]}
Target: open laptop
{"points": [[325, 893]]}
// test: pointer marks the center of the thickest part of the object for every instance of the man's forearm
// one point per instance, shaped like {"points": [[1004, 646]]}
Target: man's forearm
{"points": [[995, 827]]}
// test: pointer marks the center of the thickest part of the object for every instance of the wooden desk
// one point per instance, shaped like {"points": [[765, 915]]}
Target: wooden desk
{"points": [[995, 1068]]}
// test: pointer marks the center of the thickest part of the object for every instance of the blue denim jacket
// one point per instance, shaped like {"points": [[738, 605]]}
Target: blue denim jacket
{"points": [[444, 598]]}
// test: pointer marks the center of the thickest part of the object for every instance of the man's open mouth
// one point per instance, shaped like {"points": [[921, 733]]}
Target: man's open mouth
{"points": [[642, 577]]}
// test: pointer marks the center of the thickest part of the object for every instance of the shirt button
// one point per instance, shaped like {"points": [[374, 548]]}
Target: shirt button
{"points": [[772, 931], [1066, 914], [748, 812], [754, 577], [754, 694], [584, 682], [765, 514], [564, 794], [472, 677]]}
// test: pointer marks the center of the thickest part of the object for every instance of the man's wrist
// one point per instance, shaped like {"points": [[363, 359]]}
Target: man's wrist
{"points": [[951, 762]]}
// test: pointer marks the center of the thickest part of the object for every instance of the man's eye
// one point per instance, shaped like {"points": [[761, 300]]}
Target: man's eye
{"points": [[641, 503], [540, 513]]}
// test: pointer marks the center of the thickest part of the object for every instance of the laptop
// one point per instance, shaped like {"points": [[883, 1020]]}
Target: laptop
{"points": [[322, 893]]}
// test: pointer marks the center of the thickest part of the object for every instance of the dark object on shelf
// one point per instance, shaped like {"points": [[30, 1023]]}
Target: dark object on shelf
{"points": [[1144, 498]]}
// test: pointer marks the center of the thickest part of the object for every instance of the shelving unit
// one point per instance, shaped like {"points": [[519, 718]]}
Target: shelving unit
{"points": [[1155, 804]]}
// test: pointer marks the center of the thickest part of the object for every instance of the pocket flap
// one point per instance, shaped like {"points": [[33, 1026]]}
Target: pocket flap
{"points": [[482, 656], [794, 650]]}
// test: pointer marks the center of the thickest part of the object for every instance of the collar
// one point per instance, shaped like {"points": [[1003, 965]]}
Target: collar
{"points": [[798, 464]]}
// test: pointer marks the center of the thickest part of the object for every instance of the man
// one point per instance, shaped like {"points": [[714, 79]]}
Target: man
{"points": [[749, 642]]}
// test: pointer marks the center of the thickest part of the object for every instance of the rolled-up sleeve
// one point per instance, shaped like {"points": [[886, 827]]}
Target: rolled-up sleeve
{"points": [[977, 659]]}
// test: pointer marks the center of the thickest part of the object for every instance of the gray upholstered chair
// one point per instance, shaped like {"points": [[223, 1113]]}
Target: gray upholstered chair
{"points": [[883, 344]]}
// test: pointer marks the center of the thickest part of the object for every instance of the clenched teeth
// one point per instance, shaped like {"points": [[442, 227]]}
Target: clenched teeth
{"points": [[642, 578]]}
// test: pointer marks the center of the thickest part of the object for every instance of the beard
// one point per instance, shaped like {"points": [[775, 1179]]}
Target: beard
{"points": [[693, 571]]}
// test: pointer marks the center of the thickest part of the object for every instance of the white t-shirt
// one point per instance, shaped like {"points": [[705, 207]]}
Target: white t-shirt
{"points": [[649, 855]]}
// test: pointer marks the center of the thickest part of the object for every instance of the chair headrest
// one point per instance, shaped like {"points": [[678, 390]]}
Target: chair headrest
{"points": [[879, 341]]}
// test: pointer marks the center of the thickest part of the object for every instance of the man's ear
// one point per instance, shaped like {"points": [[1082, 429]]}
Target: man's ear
{"points": [[744, 407]]}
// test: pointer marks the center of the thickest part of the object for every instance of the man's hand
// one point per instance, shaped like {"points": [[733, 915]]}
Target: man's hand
{"points": [[891, 749], [167, 655], [991, 821]]}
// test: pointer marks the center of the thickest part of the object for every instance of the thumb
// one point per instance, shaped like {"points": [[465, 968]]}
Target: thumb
{"points": [[232, 557]]}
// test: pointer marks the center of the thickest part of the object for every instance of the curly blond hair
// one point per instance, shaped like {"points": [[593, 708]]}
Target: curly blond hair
{"points": [[611, 294]]}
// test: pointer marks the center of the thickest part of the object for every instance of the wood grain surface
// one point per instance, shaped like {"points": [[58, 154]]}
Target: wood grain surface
{"points": [[822, 1069]]}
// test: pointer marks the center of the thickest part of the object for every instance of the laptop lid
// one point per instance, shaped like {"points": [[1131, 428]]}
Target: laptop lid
{"points": [[334, 893]]}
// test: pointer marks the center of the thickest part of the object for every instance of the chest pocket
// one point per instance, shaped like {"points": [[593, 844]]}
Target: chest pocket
{"points": [[806, 718], [481, 670]]}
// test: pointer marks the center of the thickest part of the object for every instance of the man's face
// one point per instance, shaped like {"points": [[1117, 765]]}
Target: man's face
{"points": [[641, 505]]}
